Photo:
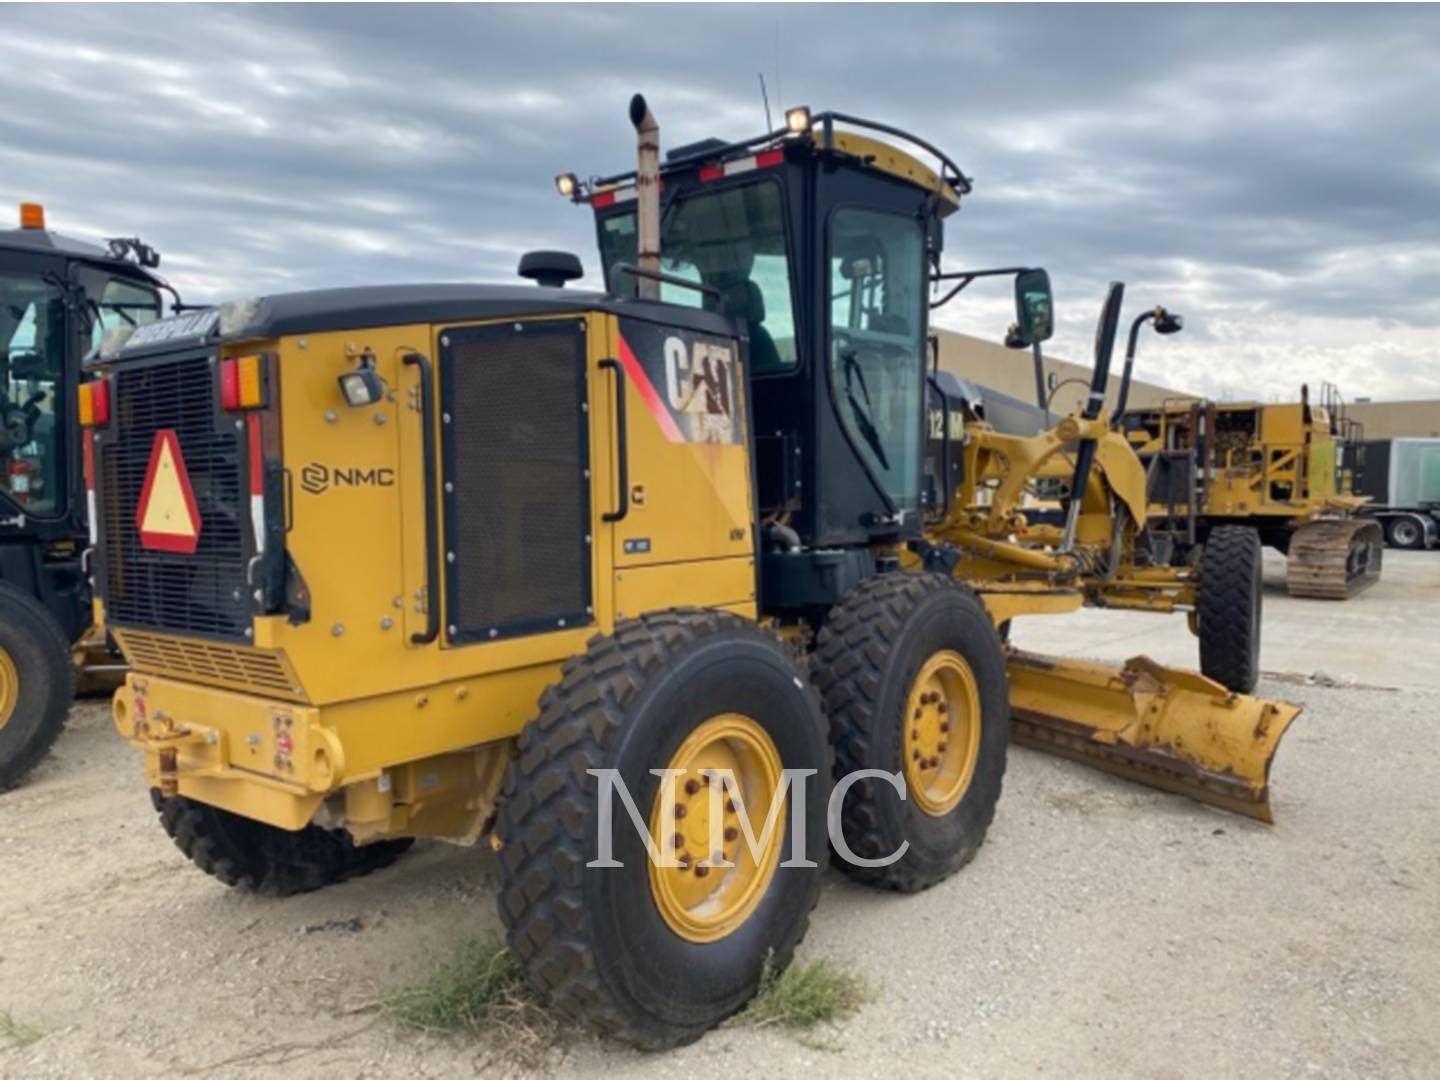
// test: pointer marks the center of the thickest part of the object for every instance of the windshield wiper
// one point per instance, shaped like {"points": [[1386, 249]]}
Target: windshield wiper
{"points": [[862, 413]]}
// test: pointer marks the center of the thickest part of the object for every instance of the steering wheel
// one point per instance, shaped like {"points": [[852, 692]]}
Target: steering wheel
{"points": [[18, 421]]}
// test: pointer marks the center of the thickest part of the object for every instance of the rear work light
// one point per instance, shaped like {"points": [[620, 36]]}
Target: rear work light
{"points": [[242, 383], [94, 402], [361, 387]]}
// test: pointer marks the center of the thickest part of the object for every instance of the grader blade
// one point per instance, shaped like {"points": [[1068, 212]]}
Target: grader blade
{"points": [[1171, 729]]}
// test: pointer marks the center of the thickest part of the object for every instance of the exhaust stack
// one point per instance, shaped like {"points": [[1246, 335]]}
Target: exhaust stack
{"points": [[647, 196]]}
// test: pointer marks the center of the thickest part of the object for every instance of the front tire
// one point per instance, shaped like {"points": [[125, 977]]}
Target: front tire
{"points": [[259, 858], [1229, 606], [656, 956], [899, 658], [37, 683]]}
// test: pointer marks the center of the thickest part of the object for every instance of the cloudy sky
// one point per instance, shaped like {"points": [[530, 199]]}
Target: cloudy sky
{"points": [[1273, 173]]}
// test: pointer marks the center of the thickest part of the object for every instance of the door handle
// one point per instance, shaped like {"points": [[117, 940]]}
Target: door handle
{"points": [[622, 453]]}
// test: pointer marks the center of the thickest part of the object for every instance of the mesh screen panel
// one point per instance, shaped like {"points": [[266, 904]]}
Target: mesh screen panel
{"points": [[202, 593], [517, 503]]}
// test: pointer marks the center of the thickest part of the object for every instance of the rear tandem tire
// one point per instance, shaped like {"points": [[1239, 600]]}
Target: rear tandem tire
{"points": [[1406, 532], [874, 646], [1229, 607], [37, 683], [603, 944], [259, 858]]}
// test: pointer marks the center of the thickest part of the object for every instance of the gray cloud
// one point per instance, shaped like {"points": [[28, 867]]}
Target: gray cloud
{"points": [[1272, 172]]}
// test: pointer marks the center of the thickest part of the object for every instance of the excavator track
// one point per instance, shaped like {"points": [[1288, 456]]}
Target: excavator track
{"points": [[1334, 559]]}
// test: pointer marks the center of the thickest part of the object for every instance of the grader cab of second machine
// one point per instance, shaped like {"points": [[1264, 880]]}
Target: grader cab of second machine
{"points": [[643, 585]]}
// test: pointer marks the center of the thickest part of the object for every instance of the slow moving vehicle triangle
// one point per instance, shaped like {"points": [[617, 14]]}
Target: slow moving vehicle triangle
{"points": [[166, 515]]}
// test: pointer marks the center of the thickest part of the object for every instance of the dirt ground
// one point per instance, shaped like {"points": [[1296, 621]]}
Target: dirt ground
{"points": [[1104, 930]]}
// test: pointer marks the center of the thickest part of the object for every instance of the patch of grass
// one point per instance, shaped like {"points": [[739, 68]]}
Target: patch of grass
{"points": [[17, 1033], [480, 992], [461, 995], [803, 996]]}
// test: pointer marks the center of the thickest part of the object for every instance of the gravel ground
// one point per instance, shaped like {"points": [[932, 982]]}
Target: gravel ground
{"points": [[1104, 930]]}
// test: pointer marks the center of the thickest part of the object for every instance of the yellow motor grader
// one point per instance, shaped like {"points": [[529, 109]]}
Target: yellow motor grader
{"points": [[619, 579]]}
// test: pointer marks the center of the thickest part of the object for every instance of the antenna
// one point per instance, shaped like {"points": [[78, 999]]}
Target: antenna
{"points": [[766, 99], [779, 89]]}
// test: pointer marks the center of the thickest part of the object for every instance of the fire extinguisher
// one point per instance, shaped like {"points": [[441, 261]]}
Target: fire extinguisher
{"points": [[18, 472]]}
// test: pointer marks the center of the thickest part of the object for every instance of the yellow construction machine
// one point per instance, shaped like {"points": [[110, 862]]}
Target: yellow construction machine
{"points": [[1280, 470], [620, 579]]}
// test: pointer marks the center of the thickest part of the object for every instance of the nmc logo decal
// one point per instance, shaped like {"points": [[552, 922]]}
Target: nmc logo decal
{"points": [[317, 479]]}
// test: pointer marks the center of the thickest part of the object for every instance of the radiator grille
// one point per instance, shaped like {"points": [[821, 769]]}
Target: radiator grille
{"points": [[517, 504], [235, 667], [203, 592]]}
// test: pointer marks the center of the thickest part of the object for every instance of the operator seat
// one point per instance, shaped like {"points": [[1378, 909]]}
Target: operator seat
{"points": [[744, 300]]}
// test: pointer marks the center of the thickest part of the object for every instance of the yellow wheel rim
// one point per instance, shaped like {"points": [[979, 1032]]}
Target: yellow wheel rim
{"points": [[942, 733], [700, 899], [9, 687]]}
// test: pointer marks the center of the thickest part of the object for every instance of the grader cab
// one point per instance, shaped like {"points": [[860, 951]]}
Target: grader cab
{"points": [[58, 296], [643, 584]]}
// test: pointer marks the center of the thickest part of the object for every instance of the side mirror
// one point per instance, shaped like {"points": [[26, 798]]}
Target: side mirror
{"points": [[1034, 306]]}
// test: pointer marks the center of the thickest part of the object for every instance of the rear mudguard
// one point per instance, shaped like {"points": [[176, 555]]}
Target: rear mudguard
{"points": [[1165, 727]]}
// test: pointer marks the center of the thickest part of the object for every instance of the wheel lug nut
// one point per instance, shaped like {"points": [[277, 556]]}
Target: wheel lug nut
{"points": [[915, 754], [944, 708], [941, 748], [701, 870], [729, 806], [934, 762], [944, 725], [680, 810], [679, 841], [731, 833], [919, 712], [691, 786]]}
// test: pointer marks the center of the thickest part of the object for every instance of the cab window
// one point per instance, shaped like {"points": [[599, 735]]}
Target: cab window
{"points": [[119, 302], [877, 324], [731, 240], [32, 371]]}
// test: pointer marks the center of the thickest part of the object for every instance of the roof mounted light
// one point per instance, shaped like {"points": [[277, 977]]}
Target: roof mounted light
{"points": [[567, 184], [32, 215], [797, 121]]}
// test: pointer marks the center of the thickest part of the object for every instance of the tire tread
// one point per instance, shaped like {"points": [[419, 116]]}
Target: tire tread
{"points": [[543, 816], [851, 652]]}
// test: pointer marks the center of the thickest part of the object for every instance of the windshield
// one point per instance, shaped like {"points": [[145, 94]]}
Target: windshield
{"points": [[117, 301], [733, 241], [32, 369], [877, 323]]}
